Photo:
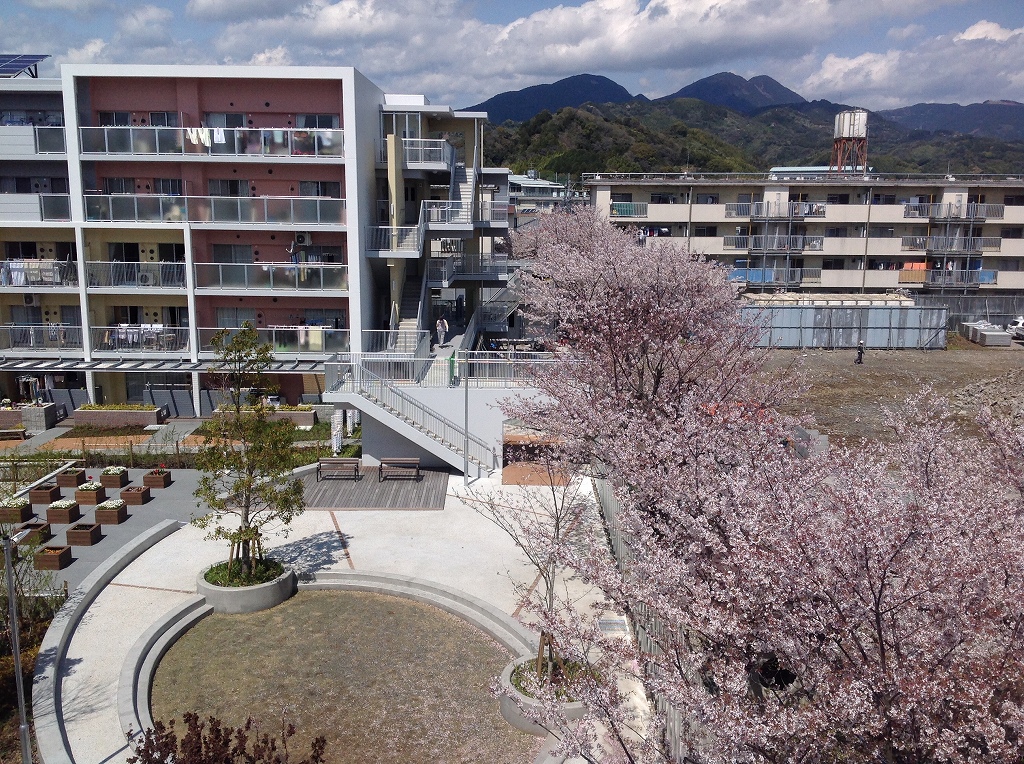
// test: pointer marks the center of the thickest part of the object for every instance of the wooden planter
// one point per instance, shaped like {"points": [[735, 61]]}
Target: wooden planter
{"points": [[53, 558], [156, 479], [71, 478], [135, 495], [84, 534], [114, 481], [112, 516], [63, 516], [14, 515], [90, 497], [300, 418], [44, 494], [10, 418], [118, 417], [38, 533]]}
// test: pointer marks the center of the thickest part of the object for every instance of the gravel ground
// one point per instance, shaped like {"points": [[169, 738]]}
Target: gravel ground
{"points": [[383, 678], [846, 400]]}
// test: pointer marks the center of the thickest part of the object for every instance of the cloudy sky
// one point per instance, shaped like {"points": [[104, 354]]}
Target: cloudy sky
{"points": [[872, 53]]}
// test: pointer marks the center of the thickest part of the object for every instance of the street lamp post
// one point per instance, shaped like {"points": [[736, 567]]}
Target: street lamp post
{"points": [[12, 611]]}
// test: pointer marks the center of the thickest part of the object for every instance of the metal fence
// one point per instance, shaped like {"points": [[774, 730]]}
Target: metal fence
{"points": [[890, 327]]}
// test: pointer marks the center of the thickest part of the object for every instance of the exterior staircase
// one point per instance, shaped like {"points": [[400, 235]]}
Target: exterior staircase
{"points": [[496, 310]]}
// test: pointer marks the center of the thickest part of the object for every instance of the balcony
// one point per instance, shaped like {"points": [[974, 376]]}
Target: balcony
{"points": [[777, 276], [447, 213], [281, 277], [784, 210], [952, 244], [146, 275], [492, 213], [34, 208], [139, 338], [204, 141], [959, 278], [775, 243], [39, 273], [316, 340], [25, 141], [954, 211], [629, 210], [402, 240], [423, 154], [40, 337], [216, 210], [445, 270]]}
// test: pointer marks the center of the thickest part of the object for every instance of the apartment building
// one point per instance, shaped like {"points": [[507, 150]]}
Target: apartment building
{"points": [[803, 229], [143, 208]]}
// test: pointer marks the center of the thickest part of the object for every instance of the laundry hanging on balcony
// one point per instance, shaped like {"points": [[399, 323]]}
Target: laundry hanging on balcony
{"points": [[198, 135]]}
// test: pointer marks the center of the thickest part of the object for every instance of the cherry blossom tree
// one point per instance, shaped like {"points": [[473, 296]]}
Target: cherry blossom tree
{"points": [[860, 605]]}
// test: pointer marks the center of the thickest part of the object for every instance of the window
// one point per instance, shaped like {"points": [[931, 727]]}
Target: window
{"points": [[883, 199], [707, 198], [837, 233], [163, 118], [123, 251], [333, 317], [119, 185], [224, 119], [59, 186], [663, 199], [167, 186], [1016, 232], [317, 121], [832, 264], [328, 188], [837, 199], [171, 252], [114, 118], [705, 230], [20, 250], [228, 187], [881, 232], [621, 197], [65, 250], [232, 253], [230, 318], [797, 197], [1013, 201], [975, 198]]}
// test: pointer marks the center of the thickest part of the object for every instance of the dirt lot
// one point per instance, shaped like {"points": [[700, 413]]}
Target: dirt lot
{"points": [[846, 400]]}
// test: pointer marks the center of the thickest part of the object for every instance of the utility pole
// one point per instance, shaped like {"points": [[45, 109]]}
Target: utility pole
{"points": [[12, 610]]}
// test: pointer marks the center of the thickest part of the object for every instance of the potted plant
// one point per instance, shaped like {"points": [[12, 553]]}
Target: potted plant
{"points": [[38, 532], [90, 493], [84, 534], [71, 478], [157, 478], [114, 477], [44, 494], [52, 558], [111, 512], [15, 509], [135, 495], [63, 512]]}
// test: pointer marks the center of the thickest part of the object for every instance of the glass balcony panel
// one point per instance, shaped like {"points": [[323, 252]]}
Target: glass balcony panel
{"points": [[140, 338], [279, 210], [50, 140], [97, 208], [333, 212], [149, 208], [93, 140], [169, 140], [306, 211], [119, 140], [143, 140], [276, 143], [335, 277], [223, 141], [330, 142], [123, 208], [55, 206]]}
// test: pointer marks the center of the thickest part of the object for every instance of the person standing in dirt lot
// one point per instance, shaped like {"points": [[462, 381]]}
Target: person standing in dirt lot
{"points": [[860, 352]]}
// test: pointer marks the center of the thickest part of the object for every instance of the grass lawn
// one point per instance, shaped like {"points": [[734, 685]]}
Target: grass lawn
{"points": [[383, 678]]}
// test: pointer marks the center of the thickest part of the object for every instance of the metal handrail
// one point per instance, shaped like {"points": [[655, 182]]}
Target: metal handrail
{"points": [[287, 210], [147, 274], [38, 273], [263, 142], [267, 275]]}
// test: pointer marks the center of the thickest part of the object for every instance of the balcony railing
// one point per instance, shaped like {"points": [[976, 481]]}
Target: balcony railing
{"points": [[212, 141], [284, 210], [447, 212], [768, 275], [629, 210], [971, 211], [34, 208], [492, 212], [952, 244], [468, 267], [105, 274], [388, 238], [38, 273], [26, 140], [959, 278], [55, 206], [775, 243], [290, 339], [40, 337], [776, 209], [427, 151], [140, 337], [287, 277]]}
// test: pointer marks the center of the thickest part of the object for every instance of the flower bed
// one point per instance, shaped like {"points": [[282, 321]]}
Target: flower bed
{"points": [[44, 494], [118, 417], [16, 509], [63, 512], [135, 495], [111, 512], [84, 534], [158, 478], [90, 493], [53, 558], [71, 478], [114, 477]]}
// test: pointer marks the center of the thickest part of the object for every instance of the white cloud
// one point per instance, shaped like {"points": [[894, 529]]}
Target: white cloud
{"points": [[77, 7], [93, 51], [988, 30], [905, 33], [278, 56], [219, 10], [145, 25]]}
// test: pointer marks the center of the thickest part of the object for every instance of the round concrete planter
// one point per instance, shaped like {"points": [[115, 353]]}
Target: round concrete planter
{"points": [[247, 599], [511, 712]]}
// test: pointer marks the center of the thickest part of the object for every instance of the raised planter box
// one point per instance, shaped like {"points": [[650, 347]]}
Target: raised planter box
{"points": [[156, 479], [38, 533], [90, 497], [135, 495], [12, 515], [39, 418], [44, 494], [112, 516], [511, 712], [84, 534], [10, 418], [247, 599], [71, 478], [53, 558], [119, 480], [119, 417], [300, 418], [63, 516]]}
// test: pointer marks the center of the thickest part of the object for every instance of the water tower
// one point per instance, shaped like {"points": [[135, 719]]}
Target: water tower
{"points": [[850, 143]]}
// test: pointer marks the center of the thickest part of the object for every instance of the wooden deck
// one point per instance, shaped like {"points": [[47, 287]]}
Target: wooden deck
{"points": [[368, 493]]}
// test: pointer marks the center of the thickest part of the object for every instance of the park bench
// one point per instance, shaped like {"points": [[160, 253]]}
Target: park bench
{"points": [[399, 467], [338, 466], [16, 433]]}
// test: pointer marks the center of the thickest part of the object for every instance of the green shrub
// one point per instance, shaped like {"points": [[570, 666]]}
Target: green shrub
{"points": [[117, 407], [262, 571]]}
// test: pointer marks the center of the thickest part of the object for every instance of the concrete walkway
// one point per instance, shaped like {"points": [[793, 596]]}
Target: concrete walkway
{"points": [[457, 547]]}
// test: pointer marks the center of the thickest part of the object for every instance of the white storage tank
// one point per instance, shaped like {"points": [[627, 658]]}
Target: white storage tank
{"points": [[852, 124]]}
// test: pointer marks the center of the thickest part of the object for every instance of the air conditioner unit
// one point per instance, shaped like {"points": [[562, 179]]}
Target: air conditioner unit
{"points": [[32, 300], [303, 239]]}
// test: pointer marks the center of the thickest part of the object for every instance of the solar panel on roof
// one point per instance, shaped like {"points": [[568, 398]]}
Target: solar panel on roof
{"points": [[13, 64]]}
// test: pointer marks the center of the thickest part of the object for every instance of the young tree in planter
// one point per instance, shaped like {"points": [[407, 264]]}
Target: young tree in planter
{"points": [[247, 460]]}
